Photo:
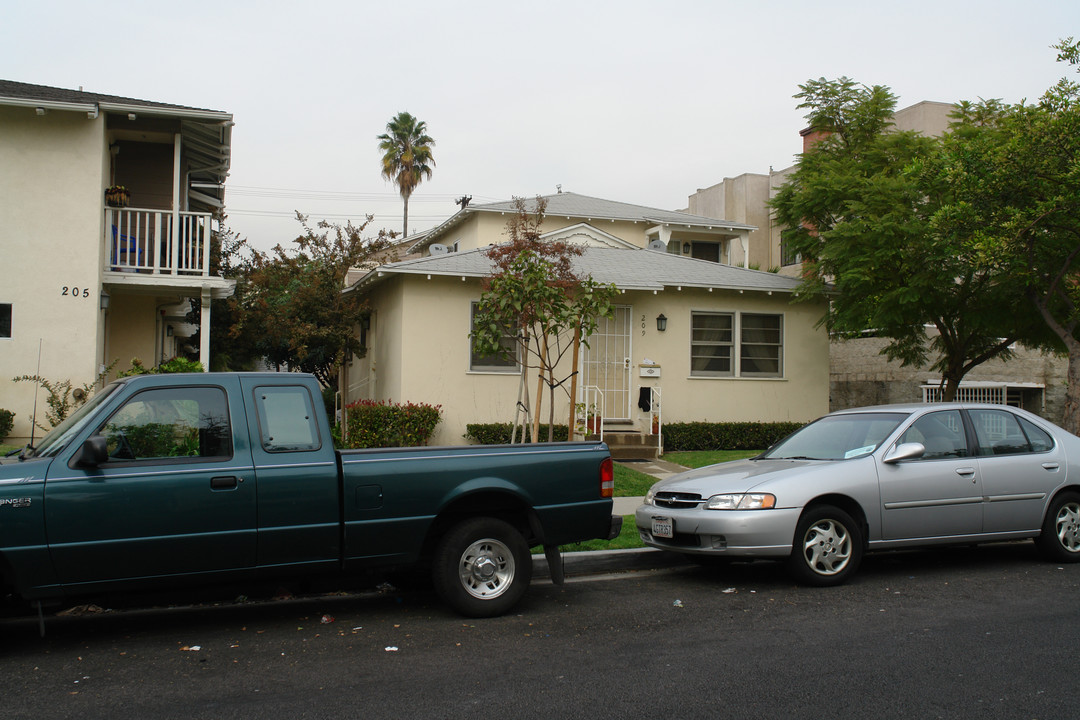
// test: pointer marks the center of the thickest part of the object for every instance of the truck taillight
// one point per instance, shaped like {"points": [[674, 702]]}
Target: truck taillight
{"points": [[607, 478]]}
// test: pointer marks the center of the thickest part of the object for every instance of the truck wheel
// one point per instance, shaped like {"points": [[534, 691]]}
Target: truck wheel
{"points": [[482, 567]]}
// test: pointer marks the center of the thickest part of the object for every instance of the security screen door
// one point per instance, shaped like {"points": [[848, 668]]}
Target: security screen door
{"points": [[606, 363]]}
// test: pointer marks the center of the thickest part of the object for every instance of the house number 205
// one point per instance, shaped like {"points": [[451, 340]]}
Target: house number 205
{"points": [[75, 292]]}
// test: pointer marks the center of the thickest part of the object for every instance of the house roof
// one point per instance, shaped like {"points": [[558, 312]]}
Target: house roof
{"points": [[206, 134], [573, 205], [25, 94], [628, 269]]}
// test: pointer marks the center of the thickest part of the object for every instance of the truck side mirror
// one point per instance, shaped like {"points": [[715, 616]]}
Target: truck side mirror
{"points": [[94, 452]]}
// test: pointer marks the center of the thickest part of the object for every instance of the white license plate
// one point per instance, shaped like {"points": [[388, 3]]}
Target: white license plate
{"points": [[663, 527]]}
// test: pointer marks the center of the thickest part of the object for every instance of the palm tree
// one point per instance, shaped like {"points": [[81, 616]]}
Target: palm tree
{"points": [[407, 159]]}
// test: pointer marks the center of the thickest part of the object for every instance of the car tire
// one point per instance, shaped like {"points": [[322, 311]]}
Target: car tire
{"points": [[827, 548], [482, 567], [1059, 540]]}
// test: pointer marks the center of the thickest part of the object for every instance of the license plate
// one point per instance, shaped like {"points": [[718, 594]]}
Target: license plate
{"points": [[663, 527]]}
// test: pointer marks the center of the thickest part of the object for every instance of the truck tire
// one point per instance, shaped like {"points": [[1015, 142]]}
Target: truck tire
{"points": [[482, 567]]}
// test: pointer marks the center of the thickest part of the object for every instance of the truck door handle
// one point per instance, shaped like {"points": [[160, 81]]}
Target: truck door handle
{"points": [[224, 483]]}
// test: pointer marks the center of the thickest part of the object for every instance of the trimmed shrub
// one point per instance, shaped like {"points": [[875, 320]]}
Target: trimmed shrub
{"points": [[499, 433], [7, 421], [381, 424], [725, 435]]}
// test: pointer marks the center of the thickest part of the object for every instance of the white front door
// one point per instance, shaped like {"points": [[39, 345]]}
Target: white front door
{"points": [[606, 364]]}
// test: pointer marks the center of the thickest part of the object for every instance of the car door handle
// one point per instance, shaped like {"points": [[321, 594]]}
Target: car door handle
{"points": [[1050, 466], [965, 471], [225, 483]]}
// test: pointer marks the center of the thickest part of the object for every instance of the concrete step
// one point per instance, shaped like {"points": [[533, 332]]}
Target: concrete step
{"points": [[627, 445]]}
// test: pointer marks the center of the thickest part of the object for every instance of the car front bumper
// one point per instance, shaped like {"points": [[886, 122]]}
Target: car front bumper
{"points": [[735, 533]]}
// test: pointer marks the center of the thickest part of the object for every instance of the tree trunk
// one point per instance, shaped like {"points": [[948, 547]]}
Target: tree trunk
{"points": [[1071, 419], [573, 384], [405, 221]]}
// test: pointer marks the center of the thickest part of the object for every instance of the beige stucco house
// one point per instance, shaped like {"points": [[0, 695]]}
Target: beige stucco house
{"points": [[86, 283], [732, 347]]}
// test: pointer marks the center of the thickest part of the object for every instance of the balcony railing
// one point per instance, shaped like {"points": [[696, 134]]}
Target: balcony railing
{"points": [[157, 242]]}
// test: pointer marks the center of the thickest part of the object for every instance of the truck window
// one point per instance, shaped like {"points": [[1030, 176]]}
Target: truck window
{"points": [[180, 422], [286, 419]]}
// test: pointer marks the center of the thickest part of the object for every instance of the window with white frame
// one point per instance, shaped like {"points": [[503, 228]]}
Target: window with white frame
{"points": [[712, 344], [5, 320], [500, 362], [761, 346], [714, 351]]}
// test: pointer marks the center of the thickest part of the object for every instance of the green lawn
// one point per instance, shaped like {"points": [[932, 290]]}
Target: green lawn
{"points": [[628, 538], [5, 449], [702, 458], [630, 482]]}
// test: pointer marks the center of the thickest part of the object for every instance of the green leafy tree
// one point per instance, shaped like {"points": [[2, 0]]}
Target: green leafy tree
{"points": [[407, 158], [861, 209], [292, 310], [1015, 170], [535, 294]]}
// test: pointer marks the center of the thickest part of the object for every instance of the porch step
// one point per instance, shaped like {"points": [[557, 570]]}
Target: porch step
{"points": [[630, 444]]}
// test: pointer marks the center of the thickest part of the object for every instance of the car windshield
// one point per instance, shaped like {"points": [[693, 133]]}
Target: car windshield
{"points": [[61, 435], [837, 437]]}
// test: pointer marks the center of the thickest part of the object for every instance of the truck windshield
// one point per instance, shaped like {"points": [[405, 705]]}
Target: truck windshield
{"points": [[837, 437], [61, 435]]}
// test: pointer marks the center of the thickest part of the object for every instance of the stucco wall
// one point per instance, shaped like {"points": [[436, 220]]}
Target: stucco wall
{"points": [[51, 170], [422, 328]]}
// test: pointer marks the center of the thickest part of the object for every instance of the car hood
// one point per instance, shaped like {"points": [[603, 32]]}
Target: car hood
{"points": [[750, 476]]}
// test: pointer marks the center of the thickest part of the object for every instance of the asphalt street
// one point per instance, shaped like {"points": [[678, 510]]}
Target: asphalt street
{"points": [[983, 632]]}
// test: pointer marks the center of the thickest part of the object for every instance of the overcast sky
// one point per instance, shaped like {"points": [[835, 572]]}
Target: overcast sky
{"points": [[640, 102]]}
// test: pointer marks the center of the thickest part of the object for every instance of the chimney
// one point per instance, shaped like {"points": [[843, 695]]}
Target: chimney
{"points": [[811, 137]]}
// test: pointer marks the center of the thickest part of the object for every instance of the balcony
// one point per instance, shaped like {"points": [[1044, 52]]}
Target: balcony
{"points": [[157, 242]]}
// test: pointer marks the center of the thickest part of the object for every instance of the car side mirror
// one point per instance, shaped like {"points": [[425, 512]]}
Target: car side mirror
{"points": [[94, 452], [904, 451]]}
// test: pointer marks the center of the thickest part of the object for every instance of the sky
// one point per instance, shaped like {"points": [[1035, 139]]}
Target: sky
{"points": [[640, 102]]}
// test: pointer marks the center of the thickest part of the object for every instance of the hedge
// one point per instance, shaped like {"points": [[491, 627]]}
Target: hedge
{"points": [[499, 433], [725, 435], [7, 421], [380, 424]]}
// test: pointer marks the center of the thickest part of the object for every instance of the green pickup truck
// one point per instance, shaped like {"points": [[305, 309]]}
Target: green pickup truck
{"points": [[166, 480]]}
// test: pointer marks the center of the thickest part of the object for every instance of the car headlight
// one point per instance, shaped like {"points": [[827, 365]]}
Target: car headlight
{"points": [[741, 501], [649, 496]]}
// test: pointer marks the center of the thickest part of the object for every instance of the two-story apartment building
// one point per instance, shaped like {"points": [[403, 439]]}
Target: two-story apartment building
{"points": [[91, 277]]}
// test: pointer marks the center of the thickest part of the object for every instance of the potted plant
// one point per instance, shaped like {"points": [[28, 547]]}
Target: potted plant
{"points": [[591, 424], [117, 196]]}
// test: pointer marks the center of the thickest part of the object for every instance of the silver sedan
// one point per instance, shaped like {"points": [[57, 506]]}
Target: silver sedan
{"points": [[894, 476]]}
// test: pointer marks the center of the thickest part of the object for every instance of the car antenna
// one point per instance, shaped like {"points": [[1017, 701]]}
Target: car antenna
{"points": [[33, 418]]}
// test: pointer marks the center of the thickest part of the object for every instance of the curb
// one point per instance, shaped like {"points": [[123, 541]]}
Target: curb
{"points": [[603, 561]]}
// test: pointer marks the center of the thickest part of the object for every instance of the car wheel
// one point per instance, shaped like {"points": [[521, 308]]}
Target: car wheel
{"points": [[827, 548], [1060, 537], [482, 567]]}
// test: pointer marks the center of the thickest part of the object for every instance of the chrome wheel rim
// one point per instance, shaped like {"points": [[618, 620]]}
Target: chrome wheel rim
{"points": [[827, 547], [1068, 526], [486, 569]]}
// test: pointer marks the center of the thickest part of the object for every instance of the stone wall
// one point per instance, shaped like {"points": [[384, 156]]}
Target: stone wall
{"points": [[860, 375]]}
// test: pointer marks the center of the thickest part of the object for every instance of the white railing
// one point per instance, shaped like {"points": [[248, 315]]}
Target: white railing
{"points": [[157, 242], [656, 414], [593, 409]]}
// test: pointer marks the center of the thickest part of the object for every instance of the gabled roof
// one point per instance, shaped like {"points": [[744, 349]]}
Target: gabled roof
{"points": [[572, 205], [627, 269]]}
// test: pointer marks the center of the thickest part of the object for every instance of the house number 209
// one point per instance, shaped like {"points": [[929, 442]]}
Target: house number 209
{"points": [[75, 292], [642, 326]]}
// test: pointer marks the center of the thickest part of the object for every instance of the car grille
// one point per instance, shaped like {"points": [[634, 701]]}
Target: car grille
{"points": [[677, 500]]}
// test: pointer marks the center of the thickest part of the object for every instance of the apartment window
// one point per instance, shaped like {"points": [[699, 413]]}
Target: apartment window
{"points": [[5, 320], [706, 251], [761, 347], [505, 361], [711, 344]]}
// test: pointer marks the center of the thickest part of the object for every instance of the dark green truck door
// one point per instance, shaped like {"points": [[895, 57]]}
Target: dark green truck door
{"points": [[296, 466], [177, 495]]}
